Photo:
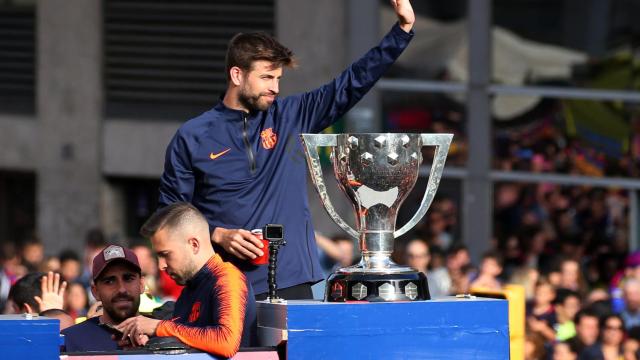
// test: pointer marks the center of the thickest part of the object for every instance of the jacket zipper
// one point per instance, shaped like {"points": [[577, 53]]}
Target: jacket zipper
{"points": [[247, 144]]}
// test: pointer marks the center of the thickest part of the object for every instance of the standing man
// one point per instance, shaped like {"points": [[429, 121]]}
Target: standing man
{"points": [[216, 310], [242, 165], [117, 283]]}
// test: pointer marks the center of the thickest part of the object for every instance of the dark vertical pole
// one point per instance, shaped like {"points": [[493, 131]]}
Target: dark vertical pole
{"points": [[363, 31], [477, 208]]}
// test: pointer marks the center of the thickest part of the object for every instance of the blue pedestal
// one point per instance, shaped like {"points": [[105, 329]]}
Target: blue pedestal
{"points": [[448, 328], [22, 338]]}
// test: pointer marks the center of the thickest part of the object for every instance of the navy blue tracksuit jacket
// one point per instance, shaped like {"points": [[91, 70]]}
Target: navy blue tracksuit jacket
{"points": [[244, 170]]}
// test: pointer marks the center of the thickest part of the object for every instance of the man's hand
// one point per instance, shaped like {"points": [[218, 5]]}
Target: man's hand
{"points": [[137, 330], [406, 17], [238, 242], [52, 292]]}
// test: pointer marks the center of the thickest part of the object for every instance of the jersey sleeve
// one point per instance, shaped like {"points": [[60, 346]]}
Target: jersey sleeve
{"points": [[224, 338]]}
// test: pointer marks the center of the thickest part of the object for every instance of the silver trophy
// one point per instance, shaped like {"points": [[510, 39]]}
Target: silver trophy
{"points": [[376, 172]]}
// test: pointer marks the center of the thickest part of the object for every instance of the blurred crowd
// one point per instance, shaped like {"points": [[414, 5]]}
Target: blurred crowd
{"points": [[25, 264], [547, 139], [568, 248]]}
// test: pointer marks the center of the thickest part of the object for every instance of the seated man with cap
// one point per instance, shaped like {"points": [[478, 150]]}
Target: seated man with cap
{"points": [[118, 283]]}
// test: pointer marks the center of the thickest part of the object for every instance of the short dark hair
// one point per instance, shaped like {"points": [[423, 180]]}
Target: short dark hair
{"points": [[587, 312], [26, 289], [169, 216], [68, 255], [53, 312], [245, 48], [495, 256], [95, 239], [563, 294]]}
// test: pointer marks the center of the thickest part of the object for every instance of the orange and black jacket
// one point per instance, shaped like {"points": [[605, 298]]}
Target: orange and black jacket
{"points": [[216, 311]]}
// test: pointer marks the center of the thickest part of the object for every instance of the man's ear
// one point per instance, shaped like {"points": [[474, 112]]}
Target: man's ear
{"points": [[28, 309], [194, 244], [236, 75], [94, 292]]}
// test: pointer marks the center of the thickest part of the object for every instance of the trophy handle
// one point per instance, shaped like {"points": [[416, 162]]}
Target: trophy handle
{"points": [[442, 143], [311, 142]]}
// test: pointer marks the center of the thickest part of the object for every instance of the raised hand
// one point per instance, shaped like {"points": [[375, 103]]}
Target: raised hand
{"points": [[405, 14], [52, 292]]}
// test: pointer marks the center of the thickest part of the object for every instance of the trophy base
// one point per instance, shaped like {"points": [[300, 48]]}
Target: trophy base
{"points": [[376, 287]]}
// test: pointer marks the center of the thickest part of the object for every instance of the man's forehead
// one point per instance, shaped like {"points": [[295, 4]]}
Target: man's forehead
{"points": [[265, 66]]}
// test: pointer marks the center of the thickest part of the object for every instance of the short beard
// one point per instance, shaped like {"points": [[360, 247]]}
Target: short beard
{"points": [[115, 315], [251, 102], [189, 271]]}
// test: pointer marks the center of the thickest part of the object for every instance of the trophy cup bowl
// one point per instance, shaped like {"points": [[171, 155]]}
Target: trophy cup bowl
{"points": [[376, 171]]}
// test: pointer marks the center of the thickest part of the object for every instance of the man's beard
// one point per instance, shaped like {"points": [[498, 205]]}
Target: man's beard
{"points": [[186, 275], [119, 316], [252, 102]]}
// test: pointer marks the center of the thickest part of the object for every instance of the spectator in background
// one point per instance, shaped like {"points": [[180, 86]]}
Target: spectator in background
{"points": [[534, 346], [571, 276], [11, 262], [631, 295], [32, 254], [150, 299], [490, 269], [565, 350], [76, 300], [70, 265], [418, 256], [22, 297], [541, 316], [39, 293], [526, 277], [587, 329], [611, 339], [51, 263], [94, 243], [459, 266], [631, 345], [336, 252], [567, 305]]}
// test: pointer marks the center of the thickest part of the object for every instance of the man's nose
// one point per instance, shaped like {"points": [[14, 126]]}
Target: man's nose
{"points": [[274, 88], [162, 264]]}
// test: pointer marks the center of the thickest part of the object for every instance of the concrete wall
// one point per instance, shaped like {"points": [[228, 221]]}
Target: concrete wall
{"points": [[69, 110]]}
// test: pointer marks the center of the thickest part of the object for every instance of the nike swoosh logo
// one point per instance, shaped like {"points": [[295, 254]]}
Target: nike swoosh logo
{"points": [[213, 156]]}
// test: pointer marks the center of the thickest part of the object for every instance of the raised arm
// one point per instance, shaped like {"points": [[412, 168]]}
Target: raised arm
{"points": [[319, 108]]}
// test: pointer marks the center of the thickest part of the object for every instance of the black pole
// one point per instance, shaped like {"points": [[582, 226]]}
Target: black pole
{"points": [[271, 277]]}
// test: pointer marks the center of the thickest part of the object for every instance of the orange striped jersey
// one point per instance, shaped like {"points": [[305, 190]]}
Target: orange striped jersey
{"points": [[216, 311]]}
